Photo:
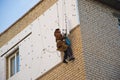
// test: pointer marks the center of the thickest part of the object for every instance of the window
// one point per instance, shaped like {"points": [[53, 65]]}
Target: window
{"points": [[13, 63], [119, 24]]}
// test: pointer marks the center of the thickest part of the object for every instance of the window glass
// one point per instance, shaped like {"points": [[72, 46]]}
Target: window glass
{"points": [[17, 62], [12, 66]]}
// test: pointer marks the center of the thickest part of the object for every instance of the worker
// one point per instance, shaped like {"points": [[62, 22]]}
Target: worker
{"points": [[63, 45]]}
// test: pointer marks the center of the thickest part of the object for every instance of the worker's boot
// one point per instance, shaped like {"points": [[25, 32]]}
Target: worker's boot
{"points": [[72, 59], [64, 61]]}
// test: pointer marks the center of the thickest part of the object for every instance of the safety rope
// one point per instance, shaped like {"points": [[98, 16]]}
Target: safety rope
{"points": [[65, 16], [53, 52], [57, 15], [49, 51], [58, 24], [42, 36]]}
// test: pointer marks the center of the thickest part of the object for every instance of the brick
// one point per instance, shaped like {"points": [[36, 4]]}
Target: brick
{"points": [[99, 39], [73, 70]]}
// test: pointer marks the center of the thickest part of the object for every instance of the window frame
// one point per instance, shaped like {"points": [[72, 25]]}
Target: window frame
{"points": [[8, 62], [119, 24]]}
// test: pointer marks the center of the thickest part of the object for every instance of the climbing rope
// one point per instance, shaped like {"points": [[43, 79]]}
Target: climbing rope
{"points": [[53, 52], [65, 16], [57, 15], [58, 24], [42, 39]]}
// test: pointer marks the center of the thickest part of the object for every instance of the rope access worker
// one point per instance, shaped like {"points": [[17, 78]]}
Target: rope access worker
{"points": [[63, 45]]}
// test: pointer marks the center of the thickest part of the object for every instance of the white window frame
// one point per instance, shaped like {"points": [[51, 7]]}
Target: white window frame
{"points": [[14, 54]]}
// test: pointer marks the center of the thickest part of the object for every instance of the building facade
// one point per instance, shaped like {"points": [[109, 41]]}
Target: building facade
{"points": [[28, 47], [100, 40]]}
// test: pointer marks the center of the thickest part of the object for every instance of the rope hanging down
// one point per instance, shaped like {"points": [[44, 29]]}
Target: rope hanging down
{"points": [[58, 23], [57, 15], [45, 49], [65, 15]]}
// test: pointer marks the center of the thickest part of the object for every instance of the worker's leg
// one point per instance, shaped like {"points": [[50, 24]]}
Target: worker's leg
{"points": [[65, 56], [71, 56]]}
